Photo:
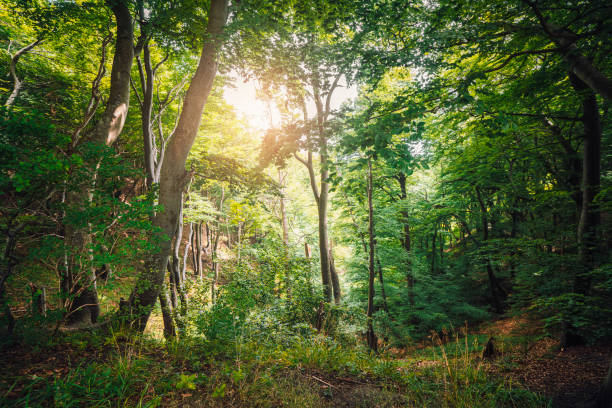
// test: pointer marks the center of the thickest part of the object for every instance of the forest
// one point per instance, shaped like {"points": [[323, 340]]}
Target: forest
{"points": [[326, 203]]}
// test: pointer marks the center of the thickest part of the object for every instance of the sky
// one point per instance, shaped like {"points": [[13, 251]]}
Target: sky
{"points": [[242, 96]]}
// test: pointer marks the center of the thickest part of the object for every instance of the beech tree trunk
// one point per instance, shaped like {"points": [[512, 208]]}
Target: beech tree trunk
{"points": [[324, 251], [433, 250], [383, 293], [405, 240], [283, 212], [590, 218], [164, 302], [198, 248], [334, 277], [497, 293], [173, 177], [146, 109], [370, 335], [147, 79], [322, 196], [581, 67], [177, 276], [80, 276], [186, 253]]}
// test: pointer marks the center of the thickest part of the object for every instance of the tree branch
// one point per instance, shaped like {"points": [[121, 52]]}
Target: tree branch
{"points": [[13, 71]]}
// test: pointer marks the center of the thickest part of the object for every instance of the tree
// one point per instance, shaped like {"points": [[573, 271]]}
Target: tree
{"points": [[371, 336], [84, 308], [312, 74], [173, 176]]}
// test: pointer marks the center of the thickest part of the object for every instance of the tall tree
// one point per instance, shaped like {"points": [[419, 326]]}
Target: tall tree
{"points": [[84, 308], [174, 177], [370, 335]]}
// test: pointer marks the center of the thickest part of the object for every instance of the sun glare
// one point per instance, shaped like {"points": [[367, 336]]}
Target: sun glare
{"points": [[242, 95]]}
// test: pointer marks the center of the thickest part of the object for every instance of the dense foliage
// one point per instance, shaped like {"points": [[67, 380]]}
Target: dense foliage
{"points": [[425, 167]]}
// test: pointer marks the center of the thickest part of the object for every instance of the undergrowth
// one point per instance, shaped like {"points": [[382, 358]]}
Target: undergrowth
{"points": [[305, 371]]}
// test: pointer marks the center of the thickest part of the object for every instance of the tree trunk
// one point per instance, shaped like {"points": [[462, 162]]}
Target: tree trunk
{"points": [[497, 292], [322, 197], [147, 77], [240, 223], [194, 244], [441, 245], [324, 250], [371, 336], [166, 308], [214, 267], [405, 240], [334, 278], [84, 309], [8, 264], [199, 268], [176, 261], [173, 177], [186, 253], [433, 250], [321, 200], [169, 306], [581, 67], [283, 213], [590, 218], [173, 286], [383, 293]]}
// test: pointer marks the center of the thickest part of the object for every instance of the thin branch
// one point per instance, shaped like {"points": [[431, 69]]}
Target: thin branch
{"points": [[136, 92], [536, 115], [13, 71], [311, 174], [329, 95], [518, 54], [160, 63], [94, 100]]}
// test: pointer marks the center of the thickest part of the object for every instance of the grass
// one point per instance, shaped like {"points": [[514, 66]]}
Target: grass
{"points": [[117, 370]]}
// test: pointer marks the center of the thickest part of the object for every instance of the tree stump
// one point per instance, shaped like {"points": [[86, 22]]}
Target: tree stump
{"points": [[489, 350]]}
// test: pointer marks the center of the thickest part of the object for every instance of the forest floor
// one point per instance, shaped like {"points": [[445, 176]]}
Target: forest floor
{"points": [[87, 369], [570, 377]]}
